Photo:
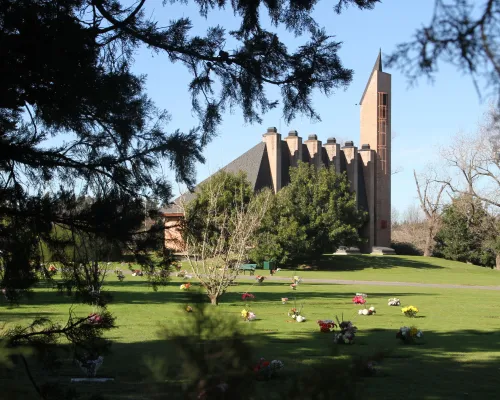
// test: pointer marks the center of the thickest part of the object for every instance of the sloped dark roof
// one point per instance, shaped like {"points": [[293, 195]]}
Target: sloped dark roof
{"points": [[249, 162], [376, 67]]}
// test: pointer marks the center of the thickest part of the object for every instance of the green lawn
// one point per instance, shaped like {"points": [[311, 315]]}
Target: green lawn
{"points": [[402, 268], [460, 356]]}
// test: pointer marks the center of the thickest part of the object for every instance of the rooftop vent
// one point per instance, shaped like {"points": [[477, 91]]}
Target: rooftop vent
{"points": [[365, 147], [272, 129], [349, 143], [293, 133], [331, 140], [312, 137]]}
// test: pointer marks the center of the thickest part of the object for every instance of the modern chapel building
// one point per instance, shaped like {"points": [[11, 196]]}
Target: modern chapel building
{"points": [[368, 167]]}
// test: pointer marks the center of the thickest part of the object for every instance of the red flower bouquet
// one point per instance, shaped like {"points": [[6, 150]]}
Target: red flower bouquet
{"points": [[358, 300], [95, 319], [266, 370], [247, 296], [326, 325]]}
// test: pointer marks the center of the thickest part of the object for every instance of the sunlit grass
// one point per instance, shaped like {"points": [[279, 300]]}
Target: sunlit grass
{"points": [[460, 347]]}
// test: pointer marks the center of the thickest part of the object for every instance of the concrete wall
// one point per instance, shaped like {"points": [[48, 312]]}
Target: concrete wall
{"points": [[384, 177], [368, 158]]}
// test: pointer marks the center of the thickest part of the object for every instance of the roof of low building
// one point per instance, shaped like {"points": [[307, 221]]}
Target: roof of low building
{"points": [[249, 162]]}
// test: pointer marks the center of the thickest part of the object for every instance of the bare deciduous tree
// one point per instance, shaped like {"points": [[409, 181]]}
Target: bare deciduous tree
{"points": [[476, 160], [464, 33], [220, 239], [411, 229], [430, 193]]}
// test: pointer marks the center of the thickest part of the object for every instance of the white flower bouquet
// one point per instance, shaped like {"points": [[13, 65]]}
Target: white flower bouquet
{"points": [[394, 302], [367, 311]]}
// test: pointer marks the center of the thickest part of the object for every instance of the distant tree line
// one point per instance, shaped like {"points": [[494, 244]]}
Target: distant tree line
{"points": [[459, 210]]}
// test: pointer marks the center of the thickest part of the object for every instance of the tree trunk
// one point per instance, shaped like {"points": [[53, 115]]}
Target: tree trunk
{"points": [[428, 243], [498, 261], [214, 300]]}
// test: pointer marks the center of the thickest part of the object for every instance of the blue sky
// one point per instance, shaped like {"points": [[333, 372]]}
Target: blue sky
{"points": [[423, 117]]}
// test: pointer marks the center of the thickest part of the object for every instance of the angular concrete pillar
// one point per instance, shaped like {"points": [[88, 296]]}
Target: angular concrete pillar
{"points": [[314, 148], [272, 139], [333, 152], [351, 157], [294, 144]]}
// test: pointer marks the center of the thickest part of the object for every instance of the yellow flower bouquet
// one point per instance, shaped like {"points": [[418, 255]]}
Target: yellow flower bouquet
{"points": [[410, 311], [409, 335]]}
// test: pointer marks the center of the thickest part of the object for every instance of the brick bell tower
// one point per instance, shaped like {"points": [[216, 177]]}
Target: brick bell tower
{"points": [[375, 127]]}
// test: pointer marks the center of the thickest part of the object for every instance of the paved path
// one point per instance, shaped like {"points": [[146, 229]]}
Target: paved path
{"points": [[380, 283]]}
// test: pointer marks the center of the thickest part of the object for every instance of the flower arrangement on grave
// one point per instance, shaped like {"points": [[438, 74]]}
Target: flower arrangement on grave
{"points": [[358, 300], [247, 296], [119, 274], [52, 269], [367, 311], [284, 300], [185, 286], [346, 334], [248, 315], [394, 302], [296, 279], [409, 335], [410, 311], [326, 325], [266, 370], [137, 272], [189, 309], [95, 319], [293, 286], [90, 367], [296, 314], [259, 278]]}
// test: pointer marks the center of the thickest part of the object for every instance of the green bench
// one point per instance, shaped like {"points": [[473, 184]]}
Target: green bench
{"points": [[247, 267]]}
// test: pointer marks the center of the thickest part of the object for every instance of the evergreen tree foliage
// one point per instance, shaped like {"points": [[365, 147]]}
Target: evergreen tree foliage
{"points": [[81, 143], [465, 232], [82, 146], [315, 214]]}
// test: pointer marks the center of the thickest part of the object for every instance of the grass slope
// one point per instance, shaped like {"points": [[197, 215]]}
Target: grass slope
{"points": [[402, 268], [459, 358]]}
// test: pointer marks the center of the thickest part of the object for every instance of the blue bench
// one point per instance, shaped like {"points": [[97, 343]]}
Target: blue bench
{"points": [[247, 267]]}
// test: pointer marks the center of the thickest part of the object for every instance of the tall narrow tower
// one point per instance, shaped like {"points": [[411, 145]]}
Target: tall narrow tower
{"points": [[375, 128]]}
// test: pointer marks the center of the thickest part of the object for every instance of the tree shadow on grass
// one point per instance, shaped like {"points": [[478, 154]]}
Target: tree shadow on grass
{"points": [[450, 365], [355, 262], [141, 293], [17, 313]]}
